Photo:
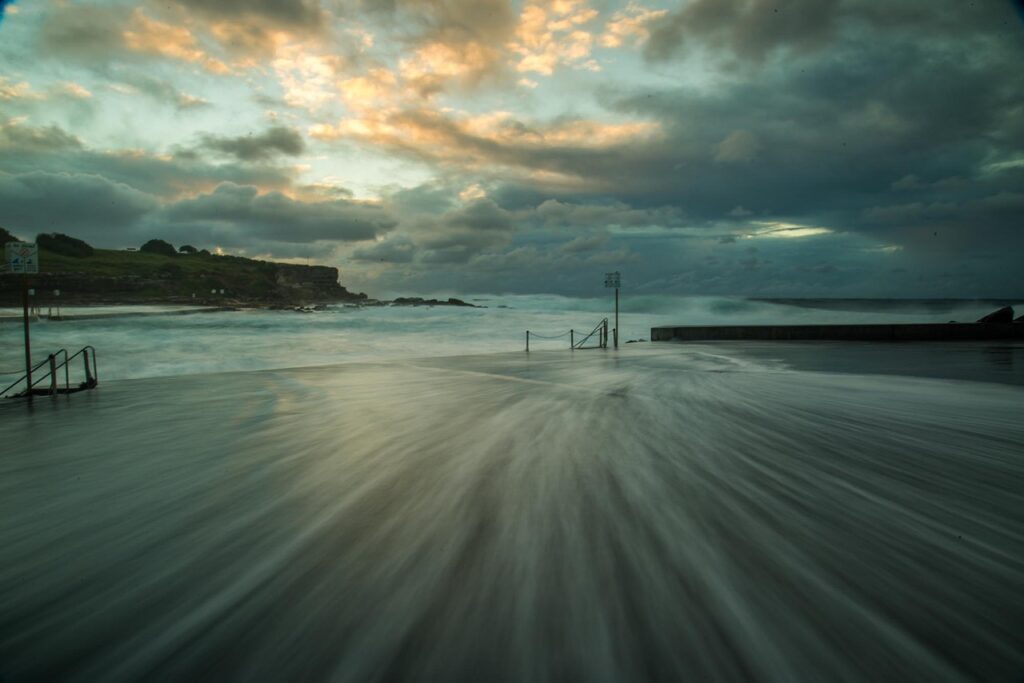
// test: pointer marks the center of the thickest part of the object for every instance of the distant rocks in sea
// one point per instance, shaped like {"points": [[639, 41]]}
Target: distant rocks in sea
{"points": [[1002, 316], [369, 303], [419, 301]]}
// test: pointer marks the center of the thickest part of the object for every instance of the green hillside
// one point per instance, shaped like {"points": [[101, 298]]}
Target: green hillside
{"points": [[113, 276]]}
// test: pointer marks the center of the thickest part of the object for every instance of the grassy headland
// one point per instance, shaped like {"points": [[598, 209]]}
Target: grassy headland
{"points": [[114, 276]]}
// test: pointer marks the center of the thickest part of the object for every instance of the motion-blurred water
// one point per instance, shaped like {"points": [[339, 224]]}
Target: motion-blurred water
{"points": [[777, 512]]}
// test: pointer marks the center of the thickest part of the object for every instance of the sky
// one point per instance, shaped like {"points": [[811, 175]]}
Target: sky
{"points": [[804, 148]]}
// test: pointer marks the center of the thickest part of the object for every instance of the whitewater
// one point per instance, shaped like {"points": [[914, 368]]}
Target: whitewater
{"points": [[254, 339], [404, 494]]}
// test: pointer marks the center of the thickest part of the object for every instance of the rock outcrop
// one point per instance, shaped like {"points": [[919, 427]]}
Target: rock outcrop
{"points": [[419, 301]]}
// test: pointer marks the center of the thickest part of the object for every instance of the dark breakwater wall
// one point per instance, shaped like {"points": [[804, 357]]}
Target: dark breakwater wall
{"points": [[915, 332]]}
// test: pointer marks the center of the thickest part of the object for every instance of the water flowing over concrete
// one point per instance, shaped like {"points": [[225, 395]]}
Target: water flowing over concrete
{"points": [[679, 514]]}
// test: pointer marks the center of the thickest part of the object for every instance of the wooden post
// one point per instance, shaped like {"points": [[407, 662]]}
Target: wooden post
{"points": [[572, 339], [28, 343], [527, 341]]}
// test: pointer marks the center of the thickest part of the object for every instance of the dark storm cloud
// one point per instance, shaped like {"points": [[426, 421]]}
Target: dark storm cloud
{"points": [[160, 90], [747, 28], [90, 33], [454, 21], [88, 206], [394, 250], [459, 234], [25, 148], [22, 139], [275, 141], [554, 213], [482, 214], [289, 13], [825, 139], [751, 29], [50, 181], [276, 217]]}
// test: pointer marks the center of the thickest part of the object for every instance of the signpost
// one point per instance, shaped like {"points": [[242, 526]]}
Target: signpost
{"points": [[614, 280], [23, 258]]}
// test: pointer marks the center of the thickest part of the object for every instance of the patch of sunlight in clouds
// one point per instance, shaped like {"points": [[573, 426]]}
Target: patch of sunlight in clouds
{"points": [[779, 230]]}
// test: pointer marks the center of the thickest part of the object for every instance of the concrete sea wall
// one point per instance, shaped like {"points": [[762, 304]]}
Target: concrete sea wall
{"points": [[915, 332]]}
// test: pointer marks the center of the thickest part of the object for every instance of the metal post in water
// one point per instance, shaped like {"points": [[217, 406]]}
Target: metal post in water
{"points": [[88, 374], [527, 341], [616, 317], [53, 375], [28, 344], [572, 338]]}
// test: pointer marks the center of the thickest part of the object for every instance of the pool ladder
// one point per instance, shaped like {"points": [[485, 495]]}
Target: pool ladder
{"points": [[54, 362]]}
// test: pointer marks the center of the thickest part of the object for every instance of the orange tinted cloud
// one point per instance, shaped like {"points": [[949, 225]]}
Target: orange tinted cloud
{"points": [[17, 91], [551, 34], [629, 25], [432, 66], [309, 80], [166, 40], [494, 142]]}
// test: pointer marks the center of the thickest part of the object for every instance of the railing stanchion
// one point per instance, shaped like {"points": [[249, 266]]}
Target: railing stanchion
{"points": [[88, 374], [572, 337], [527, 341], [53, 375]]}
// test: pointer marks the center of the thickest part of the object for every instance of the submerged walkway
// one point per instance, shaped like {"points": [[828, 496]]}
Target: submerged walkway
{"points": [[672, 514]]}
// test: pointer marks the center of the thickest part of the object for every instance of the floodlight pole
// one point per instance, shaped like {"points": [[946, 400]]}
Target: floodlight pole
{"points": [[616, 317], [28, 344]]}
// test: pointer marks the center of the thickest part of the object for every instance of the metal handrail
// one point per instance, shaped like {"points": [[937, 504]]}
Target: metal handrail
{"points": [[53, 369], [84, 352], [92, 375], [581, 342], [573, 344]]}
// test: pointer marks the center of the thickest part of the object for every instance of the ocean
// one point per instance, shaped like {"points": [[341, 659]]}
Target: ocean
{"points": [[405, 495], [167, 345]]}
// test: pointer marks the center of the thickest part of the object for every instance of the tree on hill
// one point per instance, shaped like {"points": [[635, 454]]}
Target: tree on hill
{"points": [[63, 245], [188, 249], [6, 237], [158, 247]]}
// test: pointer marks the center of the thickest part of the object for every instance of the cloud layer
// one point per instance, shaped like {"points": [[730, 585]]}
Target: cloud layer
{"points": [[825, 147]]}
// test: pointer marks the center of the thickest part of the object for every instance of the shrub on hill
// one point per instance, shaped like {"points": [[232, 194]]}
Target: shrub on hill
{"points": [[63, 245], [6, 237], [158, 247], [187, 249]]}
